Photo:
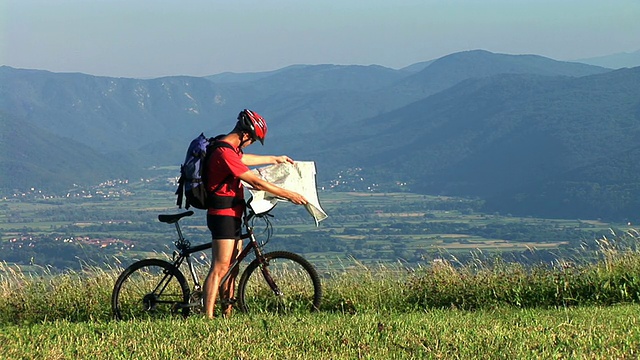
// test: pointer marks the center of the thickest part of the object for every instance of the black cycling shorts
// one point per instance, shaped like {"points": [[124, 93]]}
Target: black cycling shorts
{"points": [[224, 227]]}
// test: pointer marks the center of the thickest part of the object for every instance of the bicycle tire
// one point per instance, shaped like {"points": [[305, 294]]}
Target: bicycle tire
{"points": [[295, 277], [139, 291]]}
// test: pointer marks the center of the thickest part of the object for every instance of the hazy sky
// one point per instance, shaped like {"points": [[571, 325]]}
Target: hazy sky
{"points": [[152, 38]]}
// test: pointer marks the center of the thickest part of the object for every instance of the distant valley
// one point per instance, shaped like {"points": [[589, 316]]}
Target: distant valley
{"points": [[528, 135]]}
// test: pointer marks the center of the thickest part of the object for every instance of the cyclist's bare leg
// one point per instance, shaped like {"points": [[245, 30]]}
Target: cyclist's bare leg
{"points": [[224, 251], [229, 287]]}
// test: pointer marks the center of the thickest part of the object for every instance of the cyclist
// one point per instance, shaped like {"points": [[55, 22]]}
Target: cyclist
{"points": [[225, 169]]}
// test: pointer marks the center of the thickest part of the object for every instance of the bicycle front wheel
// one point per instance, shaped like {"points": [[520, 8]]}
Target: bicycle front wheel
{"points": [[286, 283], [150, 289]]}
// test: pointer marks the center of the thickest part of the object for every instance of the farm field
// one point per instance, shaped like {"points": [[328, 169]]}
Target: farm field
{"points": [[367, 227]]}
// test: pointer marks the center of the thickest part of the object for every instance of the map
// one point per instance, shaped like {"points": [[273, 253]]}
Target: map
{"points": [[299, 177]]}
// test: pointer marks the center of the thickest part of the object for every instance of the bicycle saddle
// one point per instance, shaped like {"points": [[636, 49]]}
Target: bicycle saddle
{"points": [[170, 219]]}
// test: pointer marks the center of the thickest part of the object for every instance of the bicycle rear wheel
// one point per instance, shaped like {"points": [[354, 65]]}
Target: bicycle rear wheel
{"points": [[150, 288], [295, 278]]}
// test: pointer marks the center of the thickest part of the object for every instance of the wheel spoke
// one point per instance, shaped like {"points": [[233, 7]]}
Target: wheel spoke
{"points": [[297, 285], [149, 289]]}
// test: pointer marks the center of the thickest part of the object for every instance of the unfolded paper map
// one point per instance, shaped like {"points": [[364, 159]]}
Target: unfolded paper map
{"points": [[299, 177]]}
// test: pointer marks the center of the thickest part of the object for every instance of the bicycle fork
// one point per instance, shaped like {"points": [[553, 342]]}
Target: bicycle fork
{"points": [[263, 264]]}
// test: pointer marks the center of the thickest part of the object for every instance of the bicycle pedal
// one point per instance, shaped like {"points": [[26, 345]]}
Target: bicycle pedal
{"points": [[227, 302]]}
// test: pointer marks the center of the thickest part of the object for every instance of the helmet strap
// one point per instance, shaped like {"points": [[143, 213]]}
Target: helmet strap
{"points": [[242, 140]]}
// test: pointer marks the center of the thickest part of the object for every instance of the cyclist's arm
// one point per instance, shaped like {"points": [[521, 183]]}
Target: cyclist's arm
{"points": [[253, 160], [260, 184]]}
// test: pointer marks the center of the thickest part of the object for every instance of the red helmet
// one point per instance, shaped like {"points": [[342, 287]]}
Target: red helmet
{"points": [[254, 124]]}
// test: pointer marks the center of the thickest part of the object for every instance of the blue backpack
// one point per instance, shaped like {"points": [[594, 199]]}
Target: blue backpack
{"points": [[192, 183]]}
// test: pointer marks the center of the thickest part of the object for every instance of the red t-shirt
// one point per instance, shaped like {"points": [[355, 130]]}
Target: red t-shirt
{"points": [[222, 163]]}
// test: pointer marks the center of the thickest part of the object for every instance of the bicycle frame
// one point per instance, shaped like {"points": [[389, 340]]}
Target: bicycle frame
{"points": [[171, 292], [184, 251]]}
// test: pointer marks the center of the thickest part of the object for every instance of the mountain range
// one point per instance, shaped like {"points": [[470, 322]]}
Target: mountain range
{"points": [[615, 61], [528, 134]]}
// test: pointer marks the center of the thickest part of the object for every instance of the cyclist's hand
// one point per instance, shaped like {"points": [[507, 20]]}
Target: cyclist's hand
{"points": [[283, 159], [297, 199]]}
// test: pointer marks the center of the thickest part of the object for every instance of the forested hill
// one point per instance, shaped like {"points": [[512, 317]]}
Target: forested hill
{"points": [[527, 143], [33, 157], [527, 133]]}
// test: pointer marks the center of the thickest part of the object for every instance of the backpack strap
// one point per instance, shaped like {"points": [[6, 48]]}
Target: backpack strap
{"points": [[180, 190], [224, 202]]}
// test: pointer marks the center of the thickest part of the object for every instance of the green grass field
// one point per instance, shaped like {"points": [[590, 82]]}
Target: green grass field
{"points": [[439, 311], [591, 332], [480, 308]]}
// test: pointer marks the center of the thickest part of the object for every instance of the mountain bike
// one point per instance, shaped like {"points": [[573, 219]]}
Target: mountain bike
{"points": [[279, 281]]}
